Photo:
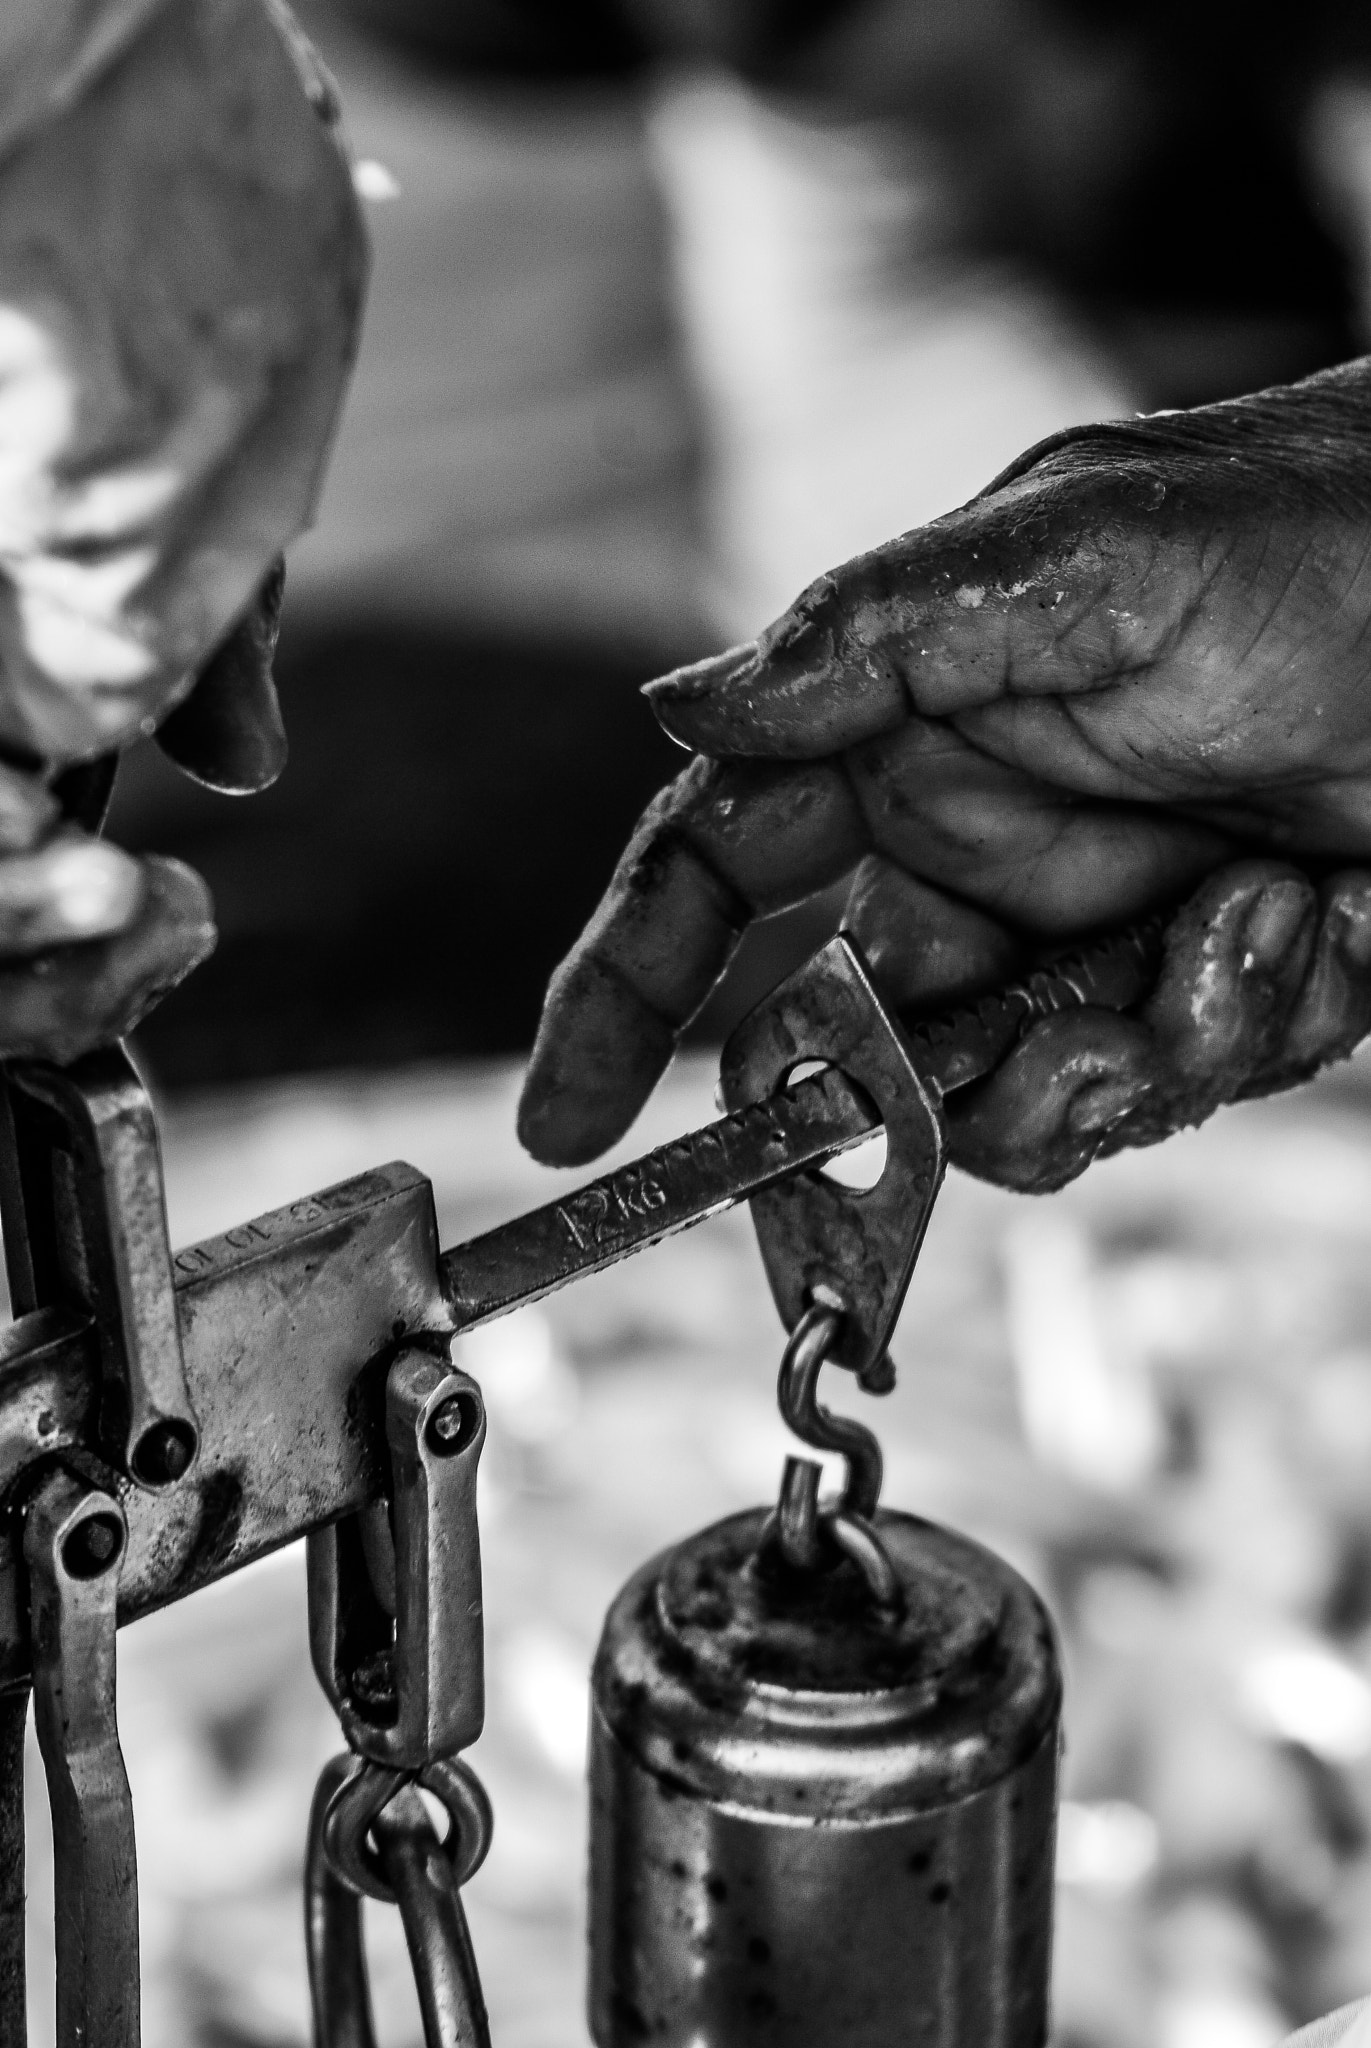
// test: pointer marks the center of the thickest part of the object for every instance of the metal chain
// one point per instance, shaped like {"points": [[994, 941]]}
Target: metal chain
{"points": [[370, 1835], [802, 1528], [395, 1596]]}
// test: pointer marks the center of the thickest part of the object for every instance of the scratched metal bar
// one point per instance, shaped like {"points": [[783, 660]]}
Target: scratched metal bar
{"points": [[652, 1198], [814, 1120]]}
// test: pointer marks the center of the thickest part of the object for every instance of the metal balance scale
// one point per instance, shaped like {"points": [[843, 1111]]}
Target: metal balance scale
{"points": [[825, 1735]]}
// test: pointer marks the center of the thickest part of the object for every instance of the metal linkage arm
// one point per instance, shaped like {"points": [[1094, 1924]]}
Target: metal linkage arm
{"points": [[286, 1326]]}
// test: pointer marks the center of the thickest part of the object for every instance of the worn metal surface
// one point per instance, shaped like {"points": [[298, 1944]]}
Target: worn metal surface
{"points": [[402, 1665], [86, 1230], [287, 1325], [815, 1824], [74, 1546], [859, 1245]]}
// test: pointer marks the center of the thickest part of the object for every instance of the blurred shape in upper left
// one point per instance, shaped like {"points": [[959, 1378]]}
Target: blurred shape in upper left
{"points": [[182, 273]]}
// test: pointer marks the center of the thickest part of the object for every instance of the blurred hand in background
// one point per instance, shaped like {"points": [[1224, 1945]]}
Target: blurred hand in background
{"points": [[181, 275]]}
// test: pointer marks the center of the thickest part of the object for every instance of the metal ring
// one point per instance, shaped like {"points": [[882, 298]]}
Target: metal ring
{"points": [[364, 1795]]}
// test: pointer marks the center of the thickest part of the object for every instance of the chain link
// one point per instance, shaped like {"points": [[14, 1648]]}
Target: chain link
{"points": [[366, 1794]]}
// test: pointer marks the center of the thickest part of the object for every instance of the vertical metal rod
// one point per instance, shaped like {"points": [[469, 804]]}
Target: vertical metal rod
{"points": [[340, 1993], [14, 1713], [73, 1542], [426, 1891]]}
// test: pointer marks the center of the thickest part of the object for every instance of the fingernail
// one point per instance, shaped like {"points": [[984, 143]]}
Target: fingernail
{"points": [[1353, 935], [95, 889], [701, 678], [1274, 922], [1095, 1109]]}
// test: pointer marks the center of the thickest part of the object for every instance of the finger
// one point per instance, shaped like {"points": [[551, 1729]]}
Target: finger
{"points": [[925, 949], [1083, 1083], [65, 1002], [1050, 584], [72, 890], [1024, 849], [1236, 959], [229, 732], [1050, 1108], [1332, 1013], [28, 810], [720, 845]]}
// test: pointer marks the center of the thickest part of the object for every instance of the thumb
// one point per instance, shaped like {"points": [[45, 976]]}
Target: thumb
{"points": [[229, 732], [1042, 581], [804, 689]]}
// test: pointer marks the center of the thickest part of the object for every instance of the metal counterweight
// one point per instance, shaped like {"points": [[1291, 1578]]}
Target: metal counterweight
{"points": [[814, 1824]]}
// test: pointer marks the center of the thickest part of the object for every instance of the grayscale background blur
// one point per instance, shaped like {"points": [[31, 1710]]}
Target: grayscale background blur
{"points": [[676, 303]]}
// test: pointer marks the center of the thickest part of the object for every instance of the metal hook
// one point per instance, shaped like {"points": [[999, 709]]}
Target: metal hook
{"points": [[799, 1524], [809, 1347]]}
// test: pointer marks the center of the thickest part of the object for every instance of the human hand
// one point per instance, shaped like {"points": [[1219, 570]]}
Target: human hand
{"points": [[182, 268], [1133, 671], [182, 264], [91, 938]]}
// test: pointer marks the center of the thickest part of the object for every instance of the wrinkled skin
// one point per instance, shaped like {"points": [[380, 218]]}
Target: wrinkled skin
{"points": [[1134, 672]]}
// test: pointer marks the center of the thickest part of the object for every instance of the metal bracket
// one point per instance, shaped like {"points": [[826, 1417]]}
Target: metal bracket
{"points": [[85, 1225], [395, 1613], [74, 1544], [858, 1245]]}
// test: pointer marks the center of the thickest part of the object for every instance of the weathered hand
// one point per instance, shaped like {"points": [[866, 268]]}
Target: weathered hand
{"points": [[1135, 670], [89, 937]]}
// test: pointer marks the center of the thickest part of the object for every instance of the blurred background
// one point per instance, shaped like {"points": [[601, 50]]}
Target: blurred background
{"points": [[676, 303]]}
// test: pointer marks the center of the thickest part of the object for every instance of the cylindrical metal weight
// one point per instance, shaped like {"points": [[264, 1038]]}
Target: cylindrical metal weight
{"points": [[814, 1825]]}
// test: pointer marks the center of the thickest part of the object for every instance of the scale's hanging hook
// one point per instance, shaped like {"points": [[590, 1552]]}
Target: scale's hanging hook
{"points": [[800, 1525]]}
